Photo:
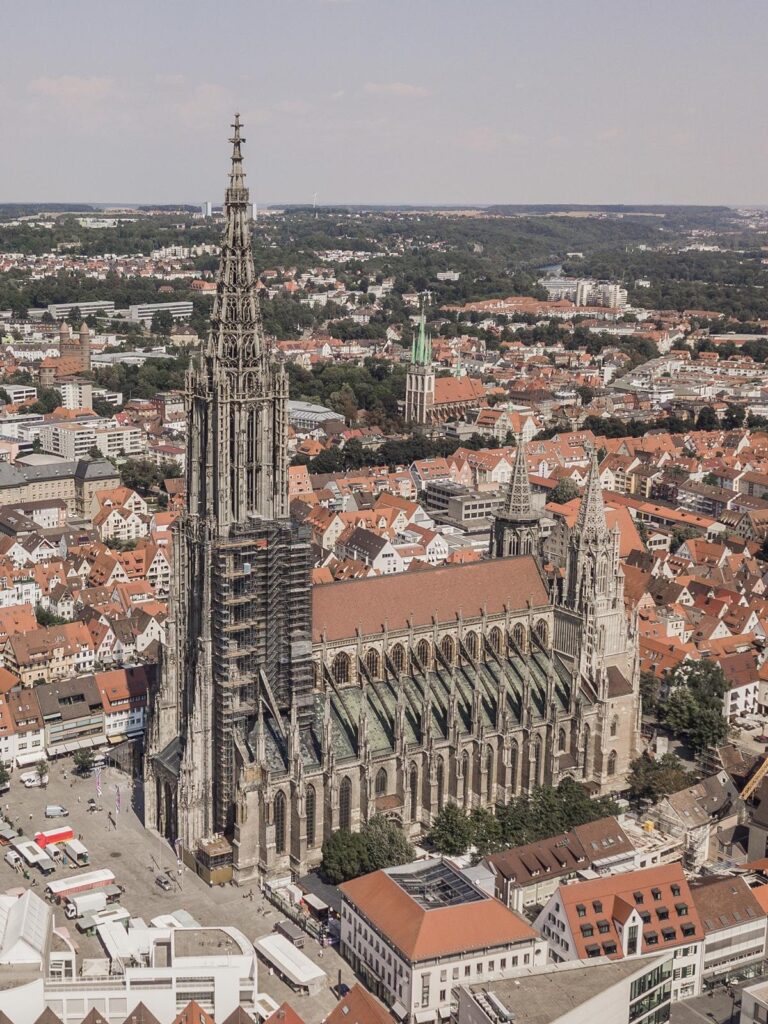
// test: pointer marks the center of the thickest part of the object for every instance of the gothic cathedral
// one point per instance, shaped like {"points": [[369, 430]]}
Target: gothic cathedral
{"points": [[282, 714]]}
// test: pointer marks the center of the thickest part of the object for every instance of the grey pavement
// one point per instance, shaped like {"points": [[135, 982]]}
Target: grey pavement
{"points": [[119, 842]]}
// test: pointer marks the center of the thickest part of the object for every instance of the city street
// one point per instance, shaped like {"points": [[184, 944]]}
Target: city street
{"points": [[119, 842]]}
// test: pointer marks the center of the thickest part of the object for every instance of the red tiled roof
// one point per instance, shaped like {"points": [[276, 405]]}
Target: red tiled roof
{"points": [[422, 934], [613, 898], [359, 1007], [440, 593]]}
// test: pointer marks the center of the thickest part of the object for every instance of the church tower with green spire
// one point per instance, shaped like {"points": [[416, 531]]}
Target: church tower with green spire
{"points": [[420, 383]]}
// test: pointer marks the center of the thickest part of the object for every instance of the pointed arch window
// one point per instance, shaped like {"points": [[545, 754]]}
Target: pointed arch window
{"points": [[373, 663], [489, 779], [612, 763], [279, 812], [440, 779], [518, 636], [470, 642], [513, 762], [561, 741], [448, 647], [424, 653], [340, 669], [614, 725], [381, 782], [537, 761], [414, 786], [397, 657], [587, 751], [465, 775], [345, 803], [310, 807], [494, 639], [542, 632]]}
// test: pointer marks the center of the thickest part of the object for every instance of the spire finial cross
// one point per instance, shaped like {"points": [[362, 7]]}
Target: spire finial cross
{"points": [[236, 125]]}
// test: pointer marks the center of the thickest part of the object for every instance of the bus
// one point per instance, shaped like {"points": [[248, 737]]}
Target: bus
{"points": [[62, 888]]}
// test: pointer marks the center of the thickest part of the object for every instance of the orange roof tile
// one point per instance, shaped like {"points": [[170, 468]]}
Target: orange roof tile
{"points": [[423, 934]]}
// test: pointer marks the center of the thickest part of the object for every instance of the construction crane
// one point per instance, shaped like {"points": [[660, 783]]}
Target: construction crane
{"points": [[755, 781]]}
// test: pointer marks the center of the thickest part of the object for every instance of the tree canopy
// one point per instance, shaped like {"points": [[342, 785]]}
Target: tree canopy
{"points": [[693, 711], [653, 778], [380, 843], [544, 813]]}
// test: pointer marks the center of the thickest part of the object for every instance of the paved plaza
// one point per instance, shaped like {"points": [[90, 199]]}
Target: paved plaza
{"points": [[118, 841]]}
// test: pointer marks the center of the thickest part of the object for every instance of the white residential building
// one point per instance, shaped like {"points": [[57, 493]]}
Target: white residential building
{"points": [[631, 914], [418, 932]]}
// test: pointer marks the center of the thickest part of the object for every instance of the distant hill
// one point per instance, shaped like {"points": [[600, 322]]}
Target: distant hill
{"points": [[10, 210]]}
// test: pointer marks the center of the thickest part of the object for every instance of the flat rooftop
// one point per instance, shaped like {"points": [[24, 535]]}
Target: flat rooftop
{"points": [[539, 998], [204, 942]]}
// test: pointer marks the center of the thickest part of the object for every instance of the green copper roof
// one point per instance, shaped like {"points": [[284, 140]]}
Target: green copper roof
{"points": [[421, 350]]}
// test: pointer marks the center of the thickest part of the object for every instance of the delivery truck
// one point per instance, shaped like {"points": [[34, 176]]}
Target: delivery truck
{"points": [[85, 903], [77, 853]]}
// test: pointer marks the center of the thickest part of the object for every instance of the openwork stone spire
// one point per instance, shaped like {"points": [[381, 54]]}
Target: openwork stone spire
{"points": [[591, 519], [517, 501], [515, 528], [236, 334]]}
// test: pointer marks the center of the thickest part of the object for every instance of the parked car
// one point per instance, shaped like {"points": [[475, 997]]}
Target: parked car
{"points": [[164, 883], [56, 811]]}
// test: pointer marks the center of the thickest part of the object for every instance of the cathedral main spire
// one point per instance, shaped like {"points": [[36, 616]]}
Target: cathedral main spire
{"points": [[236, 336], [238, 461]]}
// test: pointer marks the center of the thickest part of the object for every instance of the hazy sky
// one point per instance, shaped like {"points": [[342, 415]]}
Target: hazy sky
{"points": [[418, 101]]}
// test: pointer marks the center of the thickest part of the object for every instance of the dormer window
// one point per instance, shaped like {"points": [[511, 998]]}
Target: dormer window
{"points": [[581, 910], [675, 889], [656, 893], [597, 906], [638, 898], [587, 931], [662, 913], [682, 909]]}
